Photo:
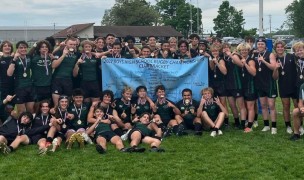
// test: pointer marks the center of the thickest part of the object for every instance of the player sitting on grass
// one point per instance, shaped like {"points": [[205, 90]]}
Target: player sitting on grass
{"points": [[147, 132], [11, 131], [212, 111], [103, 131]]}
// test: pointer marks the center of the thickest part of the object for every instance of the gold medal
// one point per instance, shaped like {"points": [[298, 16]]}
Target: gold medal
{"points": [[64, 126], [301, 76], [24, 74], [260, 69], [79, 121], [152, 54]]}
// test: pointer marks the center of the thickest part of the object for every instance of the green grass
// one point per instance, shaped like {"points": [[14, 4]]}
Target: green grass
{"points": [[234, 155]]}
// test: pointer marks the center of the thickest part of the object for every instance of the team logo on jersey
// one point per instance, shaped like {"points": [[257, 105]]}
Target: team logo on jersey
{"points": [[182, 108], [120, 106]]}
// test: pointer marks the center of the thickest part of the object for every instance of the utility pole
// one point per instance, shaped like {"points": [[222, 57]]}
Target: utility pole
{"points": [[261, 29], [270, 25], [197, 19], [191, 21], [54, 30]]}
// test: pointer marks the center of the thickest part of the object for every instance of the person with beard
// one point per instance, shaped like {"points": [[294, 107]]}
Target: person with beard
{"points": [[211, 111], [12, 130], [63, 64]]}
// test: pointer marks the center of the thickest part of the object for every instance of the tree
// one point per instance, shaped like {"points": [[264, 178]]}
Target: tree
{"points": [[176, 13], [249, 32], [295, 17], [229, 21], [130, 13]]}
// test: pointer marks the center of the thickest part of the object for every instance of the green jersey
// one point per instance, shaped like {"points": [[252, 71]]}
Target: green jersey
{"points": [[88, 69], [65, 69], [41, 70], [145, 131], [80, 115], [22, 73]]}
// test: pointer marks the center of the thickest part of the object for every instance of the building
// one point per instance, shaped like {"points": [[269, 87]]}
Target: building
{"points": [[30, 33], [89, 31]]}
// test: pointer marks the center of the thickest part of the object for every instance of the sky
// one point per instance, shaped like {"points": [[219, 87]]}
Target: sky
{"points": [[69, 12]]}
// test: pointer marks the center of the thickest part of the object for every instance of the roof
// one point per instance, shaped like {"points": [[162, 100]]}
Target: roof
{"points": [[72, 30], [136, 31]]}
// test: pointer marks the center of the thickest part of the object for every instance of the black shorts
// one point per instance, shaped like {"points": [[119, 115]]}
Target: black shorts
{"points": [[188, 122], [250, 96], [90, 89], [293, 95], [270, 94], [25, 95], [108, 135], [234, 93], [62, 86], [34, 139], [219, 90], [6, 91], [42, 93], [132, 131]]}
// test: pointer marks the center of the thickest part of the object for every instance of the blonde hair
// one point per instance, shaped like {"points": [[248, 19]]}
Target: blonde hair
{"points": [[87, 42], [127, 88], [243, 46], [298, 45], [277, 42], [207, 89]]}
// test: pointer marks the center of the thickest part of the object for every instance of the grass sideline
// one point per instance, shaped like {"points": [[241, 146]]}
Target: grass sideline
{"points": [[235, 155]]}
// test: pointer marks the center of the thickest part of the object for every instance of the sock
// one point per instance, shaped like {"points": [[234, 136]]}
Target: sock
{"points": [[118, 131], [215, 129], [273, 124], [162, 127], [243, 122], [237, 121], [266, 122], [49, 139], [198, 127], [226, 120], [287, 124], [250, 124], [153, 147], [256, 117], [175, 129]]}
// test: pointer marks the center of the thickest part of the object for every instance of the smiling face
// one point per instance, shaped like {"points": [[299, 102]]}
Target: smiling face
{"points": [[44, 108], [144, 119]]}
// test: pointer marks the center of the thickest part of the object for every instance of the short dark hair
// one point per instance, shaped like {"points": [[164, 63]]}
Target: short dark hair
{"points": [[141, 87], [21, 42], [40, 43], [192, 36], [110, 34], [117, 43], [187, 90], [28, 114], [183, 41], [108, 93], [129, 37], [78, 92], [51, 40], [160, 87]]}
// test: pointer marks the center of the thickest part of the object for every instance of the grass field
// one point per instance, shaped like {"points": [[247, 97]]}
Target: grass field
{"points": [[235, 155]]}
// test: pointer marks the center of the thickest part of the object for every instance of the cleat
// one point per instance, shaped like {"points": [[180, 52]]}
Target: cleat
{"points": [[213, 134], [274, 131], [124, 137], [255, 124], [301, 131], [4, 148], [129, 149], [180, 130], [42, 151], [87, 138], [71, 141], [248, 130], [100, 149], [138, 149], [295, 137], [80, 140], [54, 145], [266, 128], [157, 150], [219, 132], [289, 130]]}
